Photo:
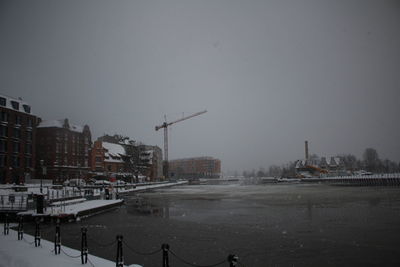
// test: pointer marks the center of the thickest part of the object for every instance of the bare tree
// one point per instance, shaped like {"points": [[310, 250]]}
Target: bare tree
{"points": [[371, 160]]}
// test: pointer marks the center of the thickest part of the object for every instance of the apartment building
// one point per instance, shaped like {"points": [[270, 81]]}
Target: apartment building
{"points": [[17, 140]]}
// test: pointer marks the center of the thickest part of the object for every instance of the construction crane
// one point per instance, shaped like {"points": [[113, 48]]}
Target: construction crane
{"points": [[165, 125]]}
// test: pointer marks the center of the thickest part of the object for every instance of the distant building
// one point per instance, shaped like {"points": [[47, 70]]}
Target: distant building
{"points": [[200, 167], [64, 149], [318, 167], [107, 158], [153, 156], [122, 158], [17, 140]]}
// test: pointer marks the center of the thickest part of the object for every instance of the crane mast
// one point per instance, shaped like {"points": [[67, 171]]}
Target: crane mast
{"points": [[165, 125]]}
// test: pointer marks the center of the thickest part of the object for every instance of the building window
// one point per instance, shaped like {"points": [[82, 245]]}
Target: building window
{"points": [[3, 131], [16, 147], [15, 105], [29, 122], [15, 162], [29, 135], [4, 116], [109, 167], [3, 146], [3, 160], [98, 159], [28, 149], [27, 108], [28, 162], [17, 120], [17, 133], [3, 101]]}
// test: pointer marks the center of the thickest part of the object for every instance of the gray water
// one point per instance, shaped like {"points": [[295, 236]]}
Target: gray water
{"points": [[265, 225]]}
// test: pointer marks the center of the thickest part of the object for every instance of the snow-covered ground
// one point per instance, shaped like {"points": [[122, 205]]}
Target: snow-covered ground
{"points": [[17, 253]]}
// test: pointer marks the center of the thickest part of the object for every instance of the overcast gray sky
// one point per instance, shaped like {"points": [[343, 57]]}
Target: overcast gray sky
{"points": [[270, 73]]}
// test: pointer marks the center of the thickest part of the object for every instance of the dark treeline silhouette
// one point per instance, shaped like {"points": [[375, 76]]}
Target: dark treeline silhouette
{"points": [[370, 162]]}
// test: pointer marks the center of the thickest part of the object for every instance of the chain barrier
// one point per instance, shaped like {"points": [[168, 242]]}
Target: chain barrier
{"points": [[141, 253], [233, 260], [70, 255], [193, 264], [91, 263], [102, 245], [30, 243]]}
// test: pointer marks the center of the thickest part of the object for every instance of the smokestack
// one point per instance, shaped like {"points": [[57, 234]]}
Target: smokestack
{"points": [[306, 149]]}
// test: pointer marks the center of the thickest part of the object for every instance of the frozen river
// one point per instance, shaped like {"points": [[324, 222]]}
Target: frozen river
{"points": [[265, 225]]}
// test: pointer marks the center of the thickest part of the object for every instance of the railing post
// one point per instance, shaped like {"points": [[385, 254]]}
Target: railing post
{"points": [[165, 249], [120, 258], [57, 238], [232, 259], [37, 232], [84, 247], [20, 228], [6, 225]]}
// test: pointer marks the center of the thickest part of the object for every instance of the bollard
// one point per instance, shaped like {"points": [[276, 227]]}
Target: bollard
{"points": [[84, 247], [232, 259], [6, 225], [120, 258], [165, 249], [37, 232], [20, 228], [57, 241]]}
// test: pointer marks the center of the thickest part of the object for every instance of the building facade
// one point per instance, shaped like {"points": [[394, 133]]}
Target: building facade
{"points": [[107, 158], [200, 167], [153, 156], [17, 140], [63, 149]]}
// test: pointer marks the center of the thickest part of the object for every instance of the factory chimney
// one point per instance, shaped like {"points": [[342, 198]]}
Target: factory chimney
{"points": [[306, 149]]}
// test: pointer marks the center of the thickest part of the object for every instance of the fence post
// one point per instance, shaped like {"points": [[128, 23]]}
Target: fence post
{"points": [[20, 228], [232, 259], [84, 247], [57, 241], [165, 249], [6, 225], [120, 258], [37, 232]]}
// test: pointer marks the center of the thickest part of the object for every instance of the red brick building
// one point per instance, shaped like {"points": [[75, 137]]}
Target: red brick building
{"points": [[17, 140], [64, 149], [107, 158], [200, 167]]}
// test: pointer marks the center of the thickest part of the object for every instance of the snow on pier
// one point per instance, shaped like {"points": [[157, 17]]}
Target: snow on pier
{"points": [[16, 253]]}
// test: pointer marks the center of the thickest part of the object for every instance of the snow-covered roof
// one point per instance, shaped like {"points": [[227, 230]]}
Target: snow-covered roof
{"points": [[60, 124], [113, 152], [15, 104]]}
